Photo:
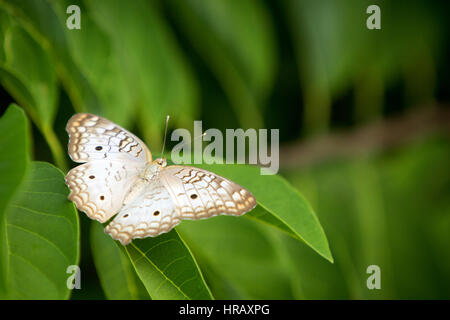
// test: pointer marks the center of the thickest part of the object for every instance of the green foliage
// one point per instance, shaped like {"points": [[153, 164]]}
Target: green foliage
{"points": [[28, 73], [239, 257], [225, 62], [155, 70], [167, 268], [40, 232], [280, 206], [242, 55], [335, 51], [392, 213], [118, 277], [42, 236], [13, 153], [14, 161]]}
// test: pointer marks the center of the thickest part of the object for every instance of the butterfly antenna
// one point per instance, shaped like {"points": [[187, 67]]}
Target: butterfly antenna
{"points": [[200, 136], [165, 136]]}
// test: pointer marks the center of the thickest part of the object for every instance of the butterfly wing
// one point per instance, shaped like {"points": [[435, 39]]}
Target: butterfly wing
{"points": [[199, 194], [95, 138], [114, 158], [98, 188], [149, 214], [178, 192]]}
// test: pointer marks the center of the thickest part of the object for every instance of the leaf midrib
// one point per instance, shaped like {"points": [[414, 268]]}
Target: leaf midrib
{"points": [[158, 269]]}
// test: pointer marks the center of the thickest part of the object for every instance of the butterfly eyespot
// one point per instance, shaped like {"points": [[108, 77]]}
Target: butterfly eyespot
{"points": [[125, 215], [91, 177], [98, 148], [156, 213], [194, 196], [102, 197]]}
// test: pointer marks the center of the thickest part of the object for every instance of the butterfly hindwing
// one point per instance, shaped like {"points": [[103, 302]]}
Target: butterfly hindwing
{"points": [[150, 213], [98, 188], [95, 138]]}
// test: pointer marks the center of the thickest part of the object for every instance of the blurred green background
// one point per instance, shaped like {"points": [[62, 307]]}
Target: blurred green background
{"points": [[363, 118]]}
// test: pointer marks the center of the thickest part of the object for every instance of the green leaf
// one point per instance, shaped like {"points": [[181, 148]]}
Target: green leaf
{"points": [[27, 72], [46, 23], [167, 268], [117, 275], [93, 53], [156, 72], [42, 236], [14, 162], [27, 61], [237, 41], [13, 153], [316, 278], [238, 254], [279, 205]]}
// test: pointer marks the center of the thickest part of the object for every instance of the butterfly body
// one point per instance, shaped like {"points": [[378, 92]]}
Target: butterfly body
{"points": [[118, 177], [150, 172], [152, 169]]}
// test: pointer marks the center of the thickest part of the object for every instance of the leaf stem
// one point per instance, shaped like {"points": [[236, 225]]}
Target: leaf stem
{"points": [[55, 147]]}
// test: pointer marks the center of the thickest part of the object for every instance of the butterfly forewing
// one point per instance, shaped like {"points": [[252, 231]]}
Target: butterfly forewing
{"points": [[98, 188], [95, 138], [114, 157]]}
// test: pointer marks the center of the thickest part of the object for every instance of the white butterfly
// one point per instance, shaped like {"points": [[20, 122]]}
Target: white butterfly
{"points": [[150, 198]]}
